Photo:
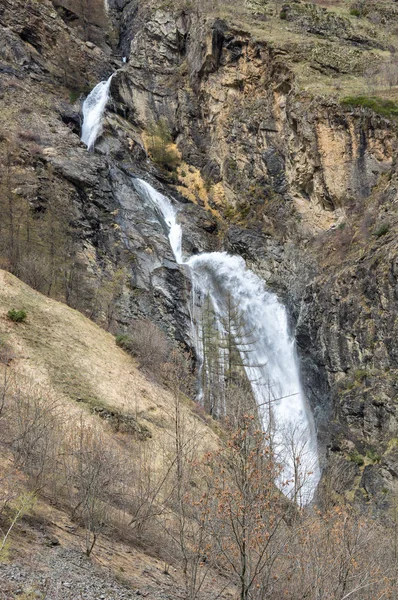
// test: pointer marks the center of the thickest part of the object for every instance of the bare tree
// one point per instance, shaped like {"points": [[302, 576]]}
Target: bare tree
{"points": [[227, 345], [212, 368], [338, 554], [297, 456], [35, 419], [94, 471], [185, 526], [6, 374], [247, 510]]}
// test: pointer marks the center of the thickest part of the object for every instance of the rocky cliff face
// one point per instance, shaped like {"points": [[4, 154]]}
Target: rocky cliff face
{"points": [[301, 185]]}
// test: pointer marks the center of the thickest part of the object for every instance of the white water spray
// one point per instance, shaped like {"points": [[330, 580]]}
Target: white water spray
{"points": [[269, 359], [93, 111]]}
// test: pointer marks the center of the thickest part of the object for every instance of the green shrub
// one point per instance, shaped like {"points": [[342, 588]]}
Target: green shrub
{"points": [[373, 456], [122, 340], [356, 458], [360, 8], [160, 149], [283, 15], [18, 316], [386, 108], [382, 230], [73, 96], [360, 375]]}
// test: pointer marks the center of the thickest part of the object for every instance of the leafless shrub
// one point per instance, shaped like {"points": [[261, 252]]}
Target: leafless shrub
{"points": [[35, 423], [177, 373], [35, 149], [146, 342], [337, 554], [6, 353], [94, 473], [147, 494], [6, 374]]}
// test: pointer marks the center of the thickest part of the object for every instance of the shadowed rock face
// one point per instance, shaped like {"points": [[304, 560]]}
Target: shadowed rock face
{"points": [[303, 187], [158, 287]]}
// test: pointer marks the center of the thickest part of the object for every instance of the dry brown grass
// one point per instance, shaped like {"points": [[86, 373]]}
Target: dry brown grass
{"points": [[78, 363], [76, 359]]}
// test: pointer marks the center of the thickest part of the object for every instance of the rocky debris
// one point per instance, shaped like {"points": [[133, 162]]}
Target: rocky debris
{"points": [[122, 422], [89, 20], [65, 574], [12, 48], [33, 34]]}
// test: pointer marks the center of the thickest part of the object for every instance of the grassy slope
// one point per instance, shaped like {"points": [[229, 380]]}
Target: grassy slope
{"points": [[75, 357], [306, 51], [64, 351]]}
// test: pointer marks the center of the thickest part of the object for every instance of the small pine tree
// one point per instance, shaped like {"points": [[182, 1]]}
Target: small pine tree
{"points": [[160, 145]]}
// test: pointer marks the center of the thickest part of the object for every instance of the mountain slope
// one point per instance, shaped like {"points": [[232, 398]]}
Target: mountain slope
{"points": [[65, 360]]}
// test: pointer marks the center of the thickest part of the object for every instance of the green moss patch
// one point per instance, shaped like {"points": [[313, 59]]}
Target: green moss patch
{"points": [[386, 108]]}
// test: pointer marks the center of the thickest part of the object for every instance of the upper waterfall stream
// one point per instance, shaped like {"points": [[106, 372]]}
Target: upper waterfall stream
{"points": [[267, 350], [93, 111]]}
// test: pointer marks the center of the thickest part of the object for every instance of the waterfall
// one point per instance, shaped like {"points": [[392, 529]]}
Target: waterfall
{"points": [[269, 359], [93, 110], [167, 214], [267, 350]]}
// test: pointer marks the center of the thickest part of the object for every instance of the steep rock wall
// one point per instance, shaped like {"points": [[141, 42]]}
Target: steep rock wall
{"points": [[234, 111]]}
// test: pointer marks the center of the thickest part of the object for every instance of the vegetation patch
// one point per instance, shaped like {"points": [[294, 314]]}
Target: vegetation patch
{"points": [[360, 375], [74, 95], [356, 458], [382, 230], [147, 343], [161, 147], [373, 456], [17, 316], [386, 108]]}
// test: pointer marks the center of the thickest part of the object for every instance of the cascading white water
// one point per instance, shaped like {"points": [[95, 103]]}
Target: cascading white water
{"points": [[167, 213], [93, 110], [269, 358]]}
